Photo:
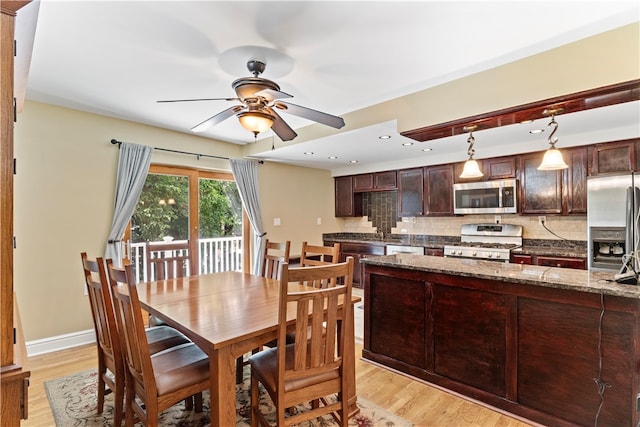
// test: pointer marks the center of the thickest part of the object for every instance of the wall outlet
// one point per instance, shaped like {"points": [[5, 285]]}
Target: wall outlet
{"points": [[542, 220], [319, 221], [497, 219], [276, 222]]}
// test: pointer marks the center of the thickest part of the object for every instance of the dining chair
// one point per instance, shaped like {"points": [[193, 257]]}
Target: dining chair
{"points": [[312, 255], [308, 370], [275, 255], [110, 355], [154, 382], [166, 260]]}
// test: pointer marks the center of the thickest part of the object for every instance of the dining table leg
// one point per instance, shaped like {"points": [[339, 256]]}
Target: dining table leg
{"points": [[223, 387], [350, 363]]}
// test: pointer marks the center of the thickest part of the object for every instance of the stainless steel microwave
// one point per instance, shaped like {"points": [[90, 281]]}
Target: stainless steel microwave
{"points": [[488, 197]]}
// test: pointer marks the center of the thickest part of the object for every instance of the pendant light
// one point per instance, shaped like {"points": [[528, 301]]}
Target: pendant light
{"points": [[471, 168], [552, 159]]}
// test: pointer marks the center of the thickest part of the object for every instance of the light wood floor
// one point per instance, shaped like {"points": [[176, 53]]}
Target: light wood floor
{"points": [[413, 400]]}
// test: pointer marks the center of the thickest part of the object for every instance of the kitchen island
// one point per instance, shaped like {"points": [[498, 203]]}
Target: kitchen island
{"points": [[557, 346]]}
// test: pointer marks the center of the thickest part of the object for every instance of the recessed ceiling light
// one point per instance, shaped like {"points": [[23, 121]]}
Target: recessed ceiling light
{"points": [[353, 161], [534, 131], [524, 122], [407, 144], [384, 137], [308, 153], [332, 157], [427, 149]]}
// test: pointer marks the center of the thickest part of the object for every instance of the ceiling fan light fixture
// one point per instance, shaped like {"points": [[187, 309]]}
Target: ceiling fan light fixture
{"points": [[471, 168], [256, 121]]}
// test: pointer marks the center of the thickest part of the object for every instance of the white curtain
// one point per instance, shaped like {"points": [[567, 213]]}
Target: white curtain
{"points": [[245, 173], [133, 167]]}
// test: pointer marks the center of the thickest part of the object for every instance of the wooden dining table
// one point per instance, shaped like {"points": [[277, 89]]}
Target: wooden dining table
{"points": [[227, 315]]}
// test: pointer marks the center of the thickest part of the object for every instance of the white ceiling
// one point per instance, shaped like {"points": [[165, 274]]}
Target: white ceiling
{"points": [[117, 58]]}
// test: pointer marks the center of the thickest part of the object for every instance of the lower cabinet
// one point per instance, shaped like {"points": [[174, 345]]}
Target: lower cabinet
{"points": [[358, 251], [550, 261], [530, 350]]}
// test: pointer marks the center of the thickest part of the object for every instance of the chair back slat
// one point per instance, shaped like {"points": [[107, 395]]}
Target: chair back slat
{"points": [[168, 260], [313, 255]]}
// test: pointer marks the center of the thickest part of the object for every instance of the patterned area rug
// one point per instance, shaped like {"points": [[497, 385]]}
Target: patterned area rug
{"points": [[73, 402]]}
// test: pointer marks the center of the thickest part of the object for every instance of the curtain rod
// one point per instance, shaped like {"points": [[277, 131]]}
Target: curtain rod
{"points": [[114, 142]]}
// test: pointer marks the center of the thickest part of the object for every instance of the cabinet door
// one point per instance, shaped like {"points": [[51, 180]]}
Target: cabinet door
{"points": [[385, 180], [499, 167], [521, 259], [540, 191], [438, 190], [410, 192], [575, 181], [346, 202], [614, 157], [363, 182], [577, 263]]}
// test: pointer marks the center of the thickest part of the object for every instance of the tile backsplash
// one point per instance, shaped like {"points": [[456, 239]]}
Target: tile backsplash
{"points": [[381, 213]]}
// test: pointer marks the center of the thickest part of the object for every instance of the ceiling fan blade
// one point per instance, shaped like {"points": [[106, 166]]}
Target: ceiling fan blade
{"points": [[280, 127], [271, 94], [308, 113], [199, 99], [214, 120]]}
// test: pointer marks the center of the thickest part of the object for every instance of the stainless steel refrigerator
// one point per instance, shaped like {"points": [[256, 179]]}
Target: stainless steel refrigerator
{"points": [[612, 222]]}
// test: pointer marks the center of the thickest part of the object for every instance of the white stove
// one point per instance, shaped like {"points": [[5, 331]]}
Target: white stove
{"points": [[486, 241]]}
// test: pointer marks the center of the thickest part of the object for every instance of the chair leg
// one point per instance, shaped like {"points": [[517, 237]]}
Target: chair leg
{"points": [[239, 369], [102, 370], [254, 401], [198, 402], [188, 404], [118, 402]]}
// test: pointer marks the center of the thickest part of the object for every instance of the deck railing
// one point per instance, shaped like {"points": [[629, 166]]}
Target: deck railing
{"points": [[216, 254]]}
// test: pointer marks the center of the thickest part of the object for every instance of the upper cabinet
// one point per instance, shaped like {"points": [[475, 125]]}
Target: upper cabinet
{"points": [[540, 191], [438, 190], [615, 157], [347, 203], [410, 192], [554, 192], [379, 181]]}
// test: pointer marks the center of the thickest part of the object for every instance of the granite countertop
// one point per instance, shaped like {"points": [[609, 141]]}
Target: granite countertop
{"points": [[553, 277], [559, 248]]}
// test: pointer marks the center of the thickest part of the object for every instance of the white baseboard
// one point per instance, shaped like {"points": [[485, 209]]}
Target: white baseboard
{"points": [[60, 342]]}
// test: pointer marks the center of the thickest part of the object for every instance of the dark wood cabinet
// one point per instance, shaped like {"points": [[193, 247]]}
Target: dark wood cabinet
{"points": [[500, 167], [614, 157], [563, 262], [549, 261], [410, 192], [378, 181], [531, 350], [434, 251], [358, 251], [540, 191], [347, 203], [438, 190], [575, 181]]}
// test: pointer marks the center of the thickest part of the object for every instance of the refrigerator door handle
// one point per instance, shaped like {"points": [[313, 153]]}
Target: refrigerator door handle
{"points": [[629, 211]]}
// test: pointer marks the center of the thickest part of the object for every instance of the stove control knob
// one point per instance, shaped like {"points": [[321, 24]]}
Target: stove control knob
{"points": [[459, 252], [489, 255], [498, 255], [474, 253]]}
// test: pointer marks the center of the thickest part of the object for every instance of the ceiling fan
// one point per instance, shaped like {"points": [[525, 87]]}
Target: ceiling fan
{"points": [[259, 101]]}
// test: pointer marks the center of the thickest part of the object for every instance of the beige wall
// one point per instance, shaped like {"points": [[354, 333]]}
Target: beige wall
{"points": [[64, 193]]}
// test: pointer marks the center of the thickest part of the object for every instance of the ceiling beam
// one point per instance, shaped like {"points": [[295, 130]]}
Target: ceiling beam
{"points": [[579, 101]]}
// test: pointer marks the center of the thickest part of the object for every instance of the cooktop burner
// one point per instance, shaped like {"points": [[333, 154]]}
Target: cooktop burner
{"points": [[486, 241]]}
